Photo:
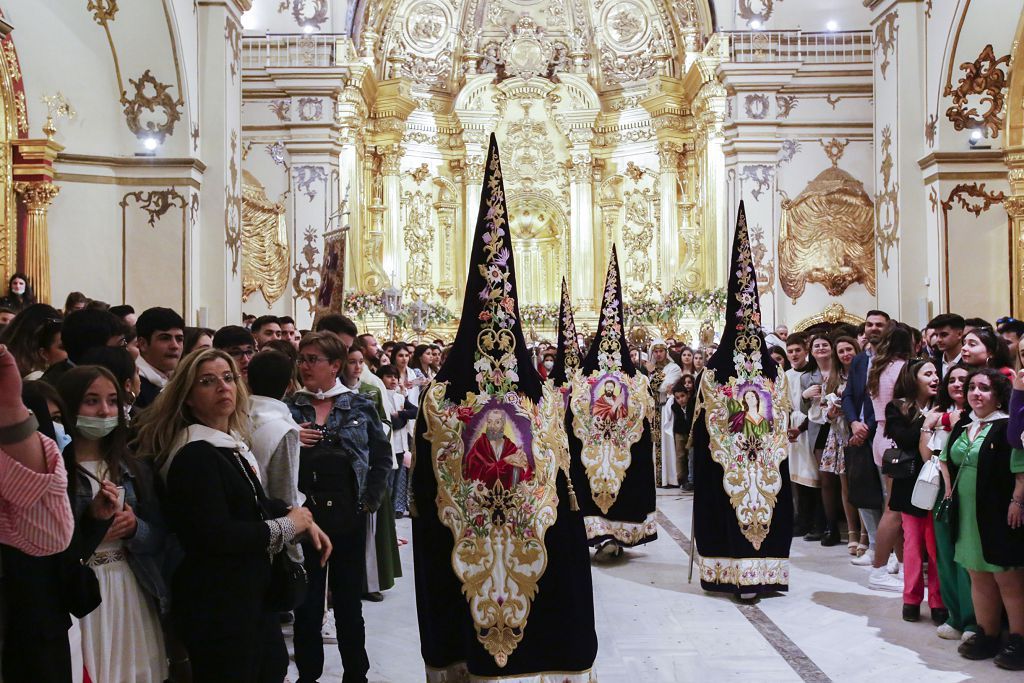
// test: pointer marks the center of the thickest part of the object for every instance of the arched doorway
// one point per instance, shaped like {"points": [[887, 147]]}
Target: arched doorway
{"points": [[540, 242]]}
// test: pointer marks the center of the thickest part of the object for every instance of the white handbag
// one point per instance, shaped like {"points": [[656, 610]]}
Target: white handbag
{"points": [[926, 489]]}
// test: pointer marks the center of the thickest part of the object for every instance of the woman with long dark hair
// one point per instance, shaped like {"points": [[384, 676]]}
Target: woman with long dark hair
{"points": [[983, 348], [833, 460], [19, 293], [33, 338], [121, 640], [988, 494], [893, 351]]}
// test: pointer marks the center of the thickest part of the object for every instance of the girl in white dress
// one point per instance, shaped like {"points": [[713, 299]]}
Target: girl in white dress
{"points": [[122, 640]]}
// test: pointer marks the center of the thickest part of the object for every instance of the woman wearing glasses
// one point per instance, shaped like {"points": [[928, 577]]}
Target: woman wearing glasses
{"points": [[228, 529], [343, 470]]}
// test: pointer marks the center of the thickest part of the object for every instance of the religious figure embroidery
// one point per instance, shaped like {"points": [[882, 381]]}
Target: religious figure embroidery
{"points": [[494, 457]]}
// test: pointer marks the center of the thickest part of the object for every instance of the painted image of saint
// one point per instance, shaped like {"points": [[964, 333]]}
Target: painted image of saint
{"points": [[611, 402], [495, 457], [749, 415]]}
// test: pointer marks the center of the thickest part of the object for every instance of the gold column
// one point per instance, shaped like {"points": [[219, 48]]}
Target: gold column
{"points": [[1014, 206], [37, 197]]}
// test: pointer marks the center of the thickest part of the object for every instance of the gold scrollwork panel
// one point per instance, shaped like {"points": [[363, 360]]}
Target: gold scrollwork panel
{"points": [[264, 243]]}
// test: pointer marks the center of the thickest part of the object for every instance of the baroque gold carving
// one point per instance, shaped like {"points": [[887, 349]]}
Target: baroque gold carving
{"points": [[963, 193], [785, 104], [155, 203], [419, 242], [306, 278], [639, 226], [981, 77], [887, 208], [142, 100], [762, 260], [885, 40], [827, 235], [264, 243], [233, 207], [11, 58], [834, 150]]}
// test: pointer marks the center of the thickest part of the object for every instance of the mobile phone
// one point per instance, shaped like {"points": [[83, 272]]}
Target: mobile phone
{"points": [[120, 498]]}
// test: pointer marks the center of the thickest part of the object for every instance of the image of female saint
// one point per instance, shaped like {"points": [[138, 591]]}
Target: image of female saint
{"points": [[749, 415], [611, 404], [494, 457]]}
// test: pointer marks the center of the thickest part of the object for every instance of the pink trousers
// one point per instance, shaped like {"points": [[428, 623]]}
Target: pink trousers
{"points": [[918, 533]]}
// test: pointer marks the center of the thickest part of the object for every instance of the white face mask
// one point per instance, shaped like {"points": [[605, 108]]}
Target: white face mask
{"points": [[60, 436], [96, 427], [548, 364], [18, 289]]}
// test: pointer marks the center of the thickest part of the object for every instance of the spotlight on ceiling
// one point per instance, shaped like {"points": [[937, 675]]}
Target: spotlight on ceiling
{"points": [[832, 25], [307, 29], [976, 138], [150, 144], [756, 25], [976, 135]]}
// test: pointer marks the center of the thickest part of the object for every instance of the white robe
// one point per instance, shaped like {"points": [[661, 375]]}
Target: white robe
{"points": [[803, 466], [669, 474]]}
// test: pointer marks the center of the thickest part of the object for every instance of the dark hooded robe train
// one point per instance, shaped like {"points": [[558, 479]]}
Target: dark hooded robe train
{"points": [[742, 503], [503, 586]]}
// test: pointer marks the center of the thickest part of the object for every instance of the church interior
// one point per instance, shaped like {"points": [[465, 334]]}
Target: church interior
{"points": [[297, 158]]}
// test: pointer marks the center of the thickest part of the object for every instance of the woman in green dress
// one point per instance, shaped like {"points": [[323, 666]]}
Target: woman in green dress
{"points": [[985, 476]]}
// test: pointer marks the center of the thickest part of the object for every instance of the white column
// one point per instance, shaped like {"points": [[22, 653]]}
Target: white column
{"points": [[215, 252], [394, 261], [474, 184], [581, 244], [668, 167]]}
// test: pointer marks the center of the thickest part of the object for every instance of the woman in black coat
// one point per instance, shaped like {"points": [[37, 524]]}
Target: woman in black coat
{"points": [[229, 531]]}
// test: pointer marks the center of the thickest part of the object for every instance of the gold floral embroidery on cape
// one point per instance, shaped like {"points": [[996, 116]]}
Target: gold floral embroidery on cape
{"points": [[567, 334], [609, 406], [496, 455], [747, 417], [499, 553]]}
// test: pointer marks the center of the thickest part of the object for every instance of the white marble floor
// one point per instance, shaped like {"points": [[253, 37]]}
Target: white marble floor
{"points": [[655, 627]]}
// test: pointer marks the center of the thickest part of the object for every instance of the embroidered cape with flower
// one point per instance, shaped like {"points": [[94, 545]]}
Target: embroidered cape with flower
{"points": [[501, 564], [742, 509]]}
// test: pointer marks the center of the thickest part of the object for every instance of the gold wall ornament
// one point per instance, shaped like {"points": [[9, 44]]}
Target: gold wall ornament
{"points": [[764, 264], [419, 242], [150, 95], [233, 207], [155, 203], [639, 226], [103, 11], [827, 236], [11, 59], [885, 39], [785, 104], [57, 107], [833, 314], [834, 149], [264, 243], [306, 274], [1014, 206], [887, 207], [36, 197], [982, 77]]}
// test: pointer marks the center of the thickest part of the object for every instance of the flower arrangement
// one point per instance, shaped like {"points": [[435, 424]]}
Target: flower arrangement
{"points": [[362, 304], [679, 303], [435, 314], [539, 315]]}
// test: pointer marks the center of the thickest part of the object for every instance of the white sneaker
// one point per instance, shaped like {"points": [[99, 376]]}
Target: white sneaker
{"points": [[900, 572], [947, 632], [329, 631], [882, 580], [893, 565], [865, 560]]}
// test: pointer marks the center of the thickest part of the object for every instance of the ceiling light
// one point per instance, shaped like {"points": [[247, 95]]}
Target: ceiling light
{"points": [[756, 25], [307, 29], [976, 135], [832, 25], [150, 143]]}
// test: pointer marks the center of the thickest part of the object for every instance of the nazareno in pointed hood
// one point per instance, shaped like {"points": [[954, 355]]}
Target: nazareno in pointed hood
{"points": [[567, 357], [489, 353], [609, 350], [742, 336]]}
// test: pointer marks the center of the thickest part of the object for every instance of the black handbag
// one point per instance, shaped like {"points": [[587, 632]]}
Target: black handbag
{"points": [[288, 579], [899, 464], [79, 587], [865, 487]]}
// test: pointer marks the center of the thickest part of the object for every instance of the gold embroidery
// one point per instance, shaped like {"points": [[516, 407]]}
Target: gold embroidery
{"points": [[756, 571], [627, 533]]}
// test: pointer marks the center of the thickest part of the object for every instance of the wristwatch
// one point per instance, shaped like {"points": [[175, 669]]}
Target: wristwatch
{"points": [[19, 431]]}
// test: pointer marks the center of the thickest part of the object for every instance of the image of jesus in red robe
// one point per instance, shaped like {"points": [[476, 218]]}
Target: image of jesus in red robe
{"points": [[608, 405], [494, 457]]}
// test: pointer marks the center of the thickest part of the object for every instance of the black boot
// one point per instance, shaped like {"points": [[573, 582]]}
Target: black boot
{"points": [[831, 536], [1012, 656], [911, 612]]}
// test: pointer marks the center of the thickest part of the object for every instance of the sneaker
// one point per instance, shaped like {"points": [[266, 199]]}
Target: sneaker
{"points": [[893, 565], [979, 646], [911, 612], [882, 580], [865, 560], [1012, 655], [329, 631], [947, 632]]}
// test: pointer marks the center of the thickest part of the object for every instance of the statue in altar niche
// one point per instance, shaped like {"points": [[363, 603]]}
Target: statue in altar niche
{"points": [[827, 235]]}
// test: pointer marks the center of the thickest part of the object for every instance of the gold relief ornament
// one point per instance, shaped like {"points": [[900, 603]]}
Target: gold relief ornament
{"points": [[982, 77], [264, 243], [747, 417]]}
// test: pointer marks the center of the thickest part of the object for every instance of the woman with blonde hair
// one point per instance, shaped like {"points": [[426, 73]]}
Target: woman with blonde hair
{"points": [[228, 529]]}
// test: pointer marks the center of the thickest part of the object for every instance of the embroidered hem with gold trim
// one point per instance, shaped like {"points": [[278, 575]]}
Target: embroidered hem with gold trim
{"points": [[757, 571], [459, 673], [626, 533]]}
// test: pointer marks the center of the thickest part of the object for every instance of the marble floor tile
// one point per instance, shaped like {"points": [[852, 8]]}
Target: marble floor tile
{"points": [[656, 627]]}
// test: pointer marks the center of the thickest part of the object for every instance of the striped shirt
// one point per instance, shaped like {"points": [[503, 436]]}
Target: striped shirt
{"points": [[35, 512]]}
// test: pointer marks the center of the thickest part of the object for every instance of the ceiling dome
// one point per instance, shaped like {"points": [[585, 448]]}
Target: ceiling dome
{"points": [[438, 43]]}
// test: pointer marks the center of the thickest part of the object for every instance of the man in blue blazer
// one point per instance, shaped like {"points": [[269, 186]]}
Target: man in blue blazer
{"points": [[856, 403]]}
